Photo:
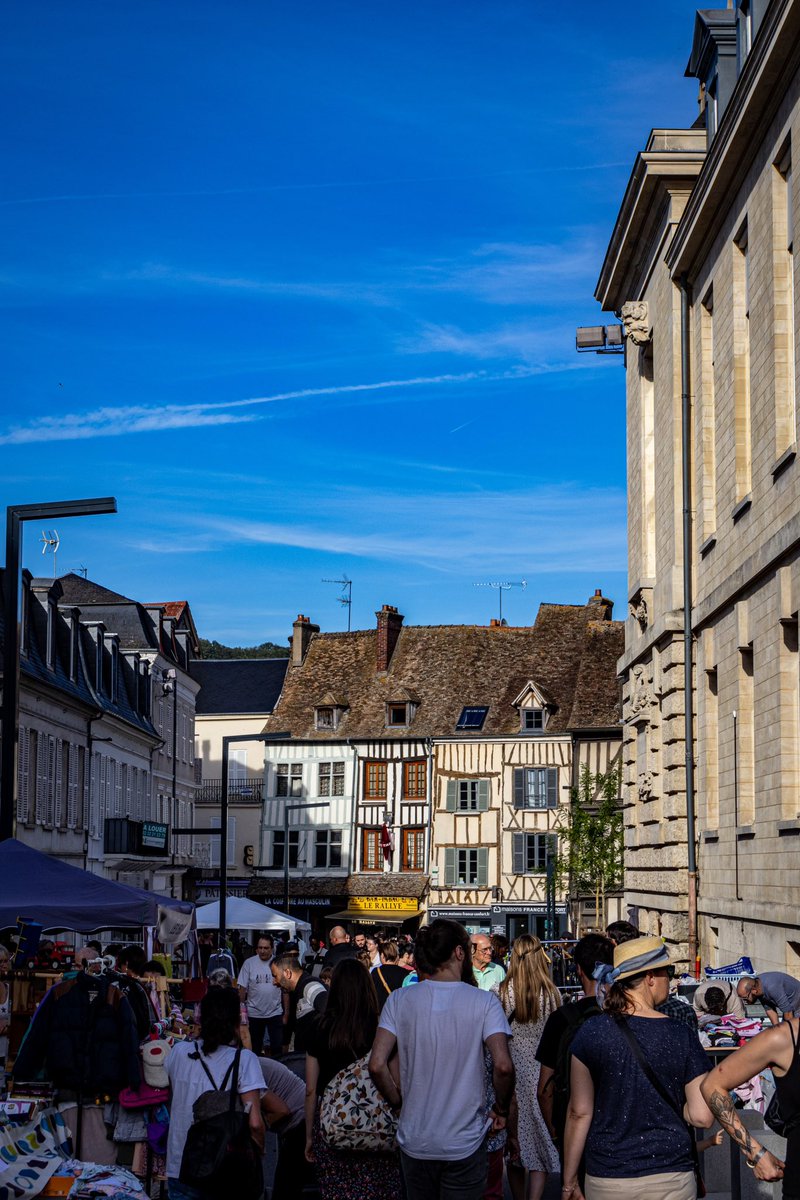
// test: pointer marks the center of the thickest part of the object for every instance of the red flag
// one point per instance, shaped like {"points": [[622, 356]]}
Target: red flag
{"points": [[387, 842]]}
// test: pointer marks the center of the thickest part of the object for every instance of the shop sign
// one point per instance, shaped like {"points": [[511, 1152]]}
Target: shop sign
{"points": [[298, 901], [525, 910], [374, 903], [154, 836], [460, 914]]}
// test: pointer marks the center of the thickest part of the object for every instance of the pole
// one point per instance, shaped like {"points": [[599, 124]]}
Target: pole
{"points": [[11, 650], [688, 693], [223, 845], [286, 858]]}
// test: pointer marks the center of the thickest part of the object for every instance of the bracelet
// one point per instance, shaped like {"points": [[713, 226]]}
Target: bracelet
{"points": [[752, 1162]]}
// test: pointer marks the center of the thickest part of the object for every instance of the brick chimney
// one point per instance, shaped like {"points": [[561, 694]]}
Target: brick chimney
{"points": [[604, 607], [390, 622], [302, 632]]}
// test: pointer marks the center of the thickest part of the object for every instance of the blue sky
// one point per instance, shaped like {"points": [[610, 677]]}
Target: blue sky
{"points": [[298, 283]]}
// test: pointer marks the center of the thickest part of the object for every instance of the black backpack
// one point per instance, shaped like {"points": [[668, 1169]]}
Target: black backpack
{"points": [[220, 1157], [575, 1015]]}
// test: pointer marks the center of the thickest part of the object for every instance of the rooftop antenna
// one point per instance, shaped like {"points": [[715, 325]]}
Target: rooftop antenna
{"points": [[503, 585], [346, 597], [50, 543], [82, 570]]}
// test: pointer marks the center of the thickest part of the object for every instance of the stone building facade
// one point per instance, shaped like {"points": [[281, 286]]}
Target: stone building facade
{"points": [[706, 226]]}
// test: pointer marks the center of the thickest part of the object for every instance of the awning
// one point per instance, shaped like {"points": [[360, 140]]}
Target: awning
{"points": [[391, 915]]}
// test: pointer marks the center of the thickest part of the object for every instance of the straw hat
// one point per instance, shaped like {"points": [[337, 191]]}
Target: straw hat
{"points": [[637, 956]]}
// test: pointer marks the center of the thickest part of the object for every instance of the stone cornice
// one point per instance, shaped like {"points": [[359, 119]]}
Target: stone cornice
{"points": [[759, 91], [670, 163]]}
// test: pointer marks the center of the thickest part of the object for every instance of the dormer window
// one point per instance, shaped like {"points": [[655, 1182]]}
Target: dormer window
{"points": [[329, 712], [533, 720], [326, 718], [472, 718], [397, 715]]}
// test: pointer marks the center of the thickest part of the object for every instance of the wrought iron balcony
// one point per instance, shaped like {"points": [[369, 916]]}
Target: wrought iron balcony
{"points": [[247, 790]]}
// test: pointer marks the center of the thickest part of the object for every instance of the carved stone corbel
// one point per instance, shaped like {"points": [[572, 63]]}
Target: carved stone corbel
{"points": [[636, 322]]}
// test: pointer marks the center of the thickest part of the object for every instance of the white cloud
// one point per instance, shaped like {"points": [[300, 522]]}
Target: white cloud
{"points": [[116, 422]]}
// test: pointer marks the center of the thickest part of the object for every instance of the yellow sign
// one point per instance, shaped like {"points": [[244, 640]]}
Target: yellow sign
{"points": [[382, 903]]}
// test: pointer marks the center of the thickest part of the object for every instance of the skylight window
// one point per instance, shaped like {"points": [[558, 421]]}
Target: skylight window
{"points": [[472, 718]]}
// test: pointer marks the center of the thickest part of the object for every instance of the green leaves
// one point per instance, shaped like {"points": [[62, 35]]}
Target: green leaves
{"points": [[591, 837]]}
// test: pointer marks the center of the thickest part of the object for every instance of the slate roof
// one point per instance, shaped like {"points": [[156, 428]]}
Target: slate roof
{"points": [[570, 652], [136, 627], [238, 685], [81, 689]]}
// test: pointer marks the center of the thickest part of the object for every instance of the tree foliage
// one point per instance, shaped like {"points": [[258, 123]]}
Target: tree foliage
{"points": [[591, 840], [265, 650]]}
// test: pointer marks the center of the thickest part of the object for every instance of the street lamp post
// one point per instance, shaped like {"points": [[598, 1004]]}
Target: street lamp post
{"points": [[9, 714]]}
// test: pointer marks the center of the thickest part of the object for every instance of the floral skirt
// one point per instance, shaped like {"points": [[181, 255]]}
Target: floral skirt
{"points": [[354, 1175]]}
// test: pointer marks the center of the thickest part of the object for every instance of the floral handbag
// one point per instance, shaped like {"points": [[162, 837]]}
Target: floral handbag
{"points": [[353, 1114]]}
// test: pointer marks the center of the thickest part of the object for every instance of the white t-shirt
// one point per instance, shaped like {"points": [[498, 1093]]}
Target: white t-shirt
{"points": [[441, 1029], [263, 997], [188, 1080]]}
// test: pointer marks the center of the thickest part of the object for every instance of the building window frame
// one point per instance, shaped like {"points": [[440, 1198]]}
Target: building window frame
{"points": [[466, 866], [415, 779], [376, 779], [289, 780], [533, 719], [371, 853], [535, 788], [279, 848], [413, 851], [531, 852], [330, 778], [327, 849]]}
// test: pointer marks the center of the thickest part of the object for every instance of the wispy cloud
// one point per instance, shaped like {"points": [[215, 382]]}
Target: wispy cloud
{"points": [[126, 419], [545, 528]]}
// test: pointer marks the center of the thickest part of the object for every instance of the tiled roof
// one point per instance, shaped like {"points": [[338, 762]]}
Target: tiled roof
{"points": [[570, 652], [376, 883], [131, 621], [238, 685]]}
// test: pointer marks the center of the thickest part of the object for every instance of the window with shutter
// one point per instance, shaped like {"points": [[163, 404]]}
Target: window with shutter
{"points": [[41, 778], [519, 854], [483, 866], [450, 867], [23, 783], [52, 770], [451, 798], [531, 852], [536, 787], [72, 789]]}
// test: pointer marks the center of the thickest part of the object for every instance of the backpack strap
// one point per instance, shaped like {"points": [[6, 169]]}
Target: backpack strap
{"points": [[221, 1088], [379, 973], [233, 1071]]}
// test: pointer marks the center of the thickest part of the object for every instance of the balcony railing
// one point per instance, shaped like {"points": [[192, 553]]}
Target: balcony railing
{"points": [[249, 790]]}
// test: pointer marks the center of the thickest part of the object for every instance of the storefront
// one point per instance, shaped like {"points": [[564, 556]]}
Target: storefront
{"points": [[400, 912], [512, 920]]}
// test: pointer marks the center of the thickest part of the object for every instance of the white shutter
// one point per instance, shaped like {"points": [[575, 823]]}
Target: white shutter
{"points": [[51, 781], [96, 782], [58, 805], [23, 781], [231, 841], [41, 777], [72, 788], [118, 809], [213, 848]]}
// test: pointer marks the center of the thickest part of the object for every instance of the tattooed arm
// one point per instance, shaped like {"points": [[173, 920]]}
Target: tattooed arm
{"points": [[771, 1048]]}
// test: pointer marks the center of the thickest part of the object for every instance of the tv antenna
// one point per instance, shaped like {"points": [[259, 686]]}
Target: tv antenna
{"points": [[504, 585], [346, 597], [82, 570], [50, 543]]}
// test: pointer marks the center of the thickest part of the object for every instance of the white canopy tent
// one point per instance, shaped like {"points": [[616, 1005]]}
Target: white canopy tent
{"points": [[246, 914]]}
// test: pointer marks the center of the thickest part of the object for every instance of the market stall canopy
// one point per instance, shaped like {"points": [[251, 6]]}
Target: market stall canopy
{"points": [[59, 896], [246, 914]]}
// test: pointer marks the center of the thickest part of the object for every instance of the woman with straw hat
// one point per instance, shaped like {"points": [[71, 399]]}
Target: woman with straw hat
{"points": [[635, 1088]]}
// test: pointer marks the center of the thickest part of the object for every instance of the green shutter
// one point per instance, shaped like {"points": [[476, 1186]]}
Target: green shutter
{"points": [[483, 795], [519, 787], [450, 867], [519, 853], [483, 866], [452, 786], [552, 787]]}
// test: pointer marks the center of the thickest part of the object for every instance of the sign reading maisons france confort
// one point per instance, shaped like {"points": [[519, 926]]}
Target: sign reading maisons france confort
{"points": [[373, 903]]}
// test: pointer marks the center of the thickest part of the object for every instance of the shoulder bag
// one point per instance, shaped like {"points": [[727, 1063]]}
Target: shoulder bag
{"points": [[220, 1157], [666, 1097], [353, 1114]]}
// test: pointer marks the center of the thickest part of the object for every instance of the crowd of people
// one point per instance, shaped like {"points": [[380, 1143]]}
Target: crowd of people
{"points": [[441, 1068]]}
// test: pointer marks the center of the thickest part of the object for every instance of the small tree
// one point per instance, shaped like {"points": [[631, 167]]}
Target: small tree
{"points": [[591, 839]]}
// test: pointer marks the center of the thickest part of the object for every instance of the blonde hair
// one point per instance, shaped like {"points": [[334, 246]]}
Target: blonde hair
{"points": [[528, 982]]}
